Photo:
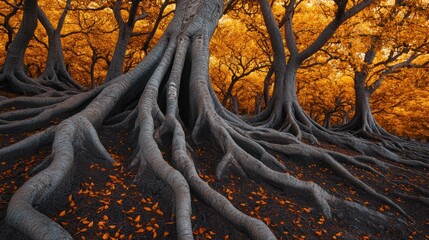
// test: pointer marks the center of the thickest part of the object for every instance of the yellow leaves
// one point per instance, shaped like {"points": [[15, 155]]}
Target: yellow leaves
{"points": [[105, 217], [137, 219], [105, 236], [318, 233], [133, 209], [159, 212], [207, 234], [307, 210], [62, 214], [201, 230], [101, 224], [321, 220], [384, 208], [119, 201], [147, 209], [338, 234], [89, 223], [267, 220], [166, 234]]}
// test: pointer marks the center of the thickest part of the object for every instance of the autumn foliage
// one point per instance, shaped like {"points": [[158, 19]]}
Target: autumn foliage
{"points": [[328, 104], [325, 84]]}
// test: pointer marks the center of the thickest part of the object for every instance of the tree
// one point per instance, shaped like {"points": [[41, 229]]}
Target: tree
{"points": [[55, 75], [13, 69], [381, 60], [166, 97], [284, 112], [125, 33], [55, 71], [7, 25], [235, 64]]}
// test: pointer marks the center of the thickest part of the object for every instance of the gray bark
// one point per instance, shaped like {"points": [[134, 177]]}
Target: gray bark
{"points": [[15, 55], [124, 36], [177, 71], [56, 74]]}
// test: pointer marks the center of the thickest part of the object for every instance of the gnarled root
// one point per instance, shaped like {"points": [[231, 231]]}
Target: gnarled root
{"points": [[176, 72]]}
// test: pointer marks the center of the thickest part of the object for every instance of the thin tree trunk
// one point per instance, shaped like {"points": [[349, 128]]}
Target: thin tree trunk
{"points": [[124, 36], [267, 82], [117, 63], [15, 55], [56, 74], [228, 94]]}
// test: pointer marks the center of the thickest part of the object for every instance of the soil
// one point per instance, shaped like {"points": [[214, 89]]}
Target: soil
{"points": [[107, 202]]}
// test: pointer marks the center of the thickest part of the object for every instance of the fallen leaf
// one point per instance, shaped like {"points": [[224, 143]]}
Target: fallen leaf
{"points": [[307, 210]]}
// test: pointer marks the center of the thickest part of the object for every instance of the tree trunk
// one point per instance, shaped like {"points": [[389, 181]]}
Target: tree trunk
{"points": [[228, 94], [362, 108], [258, 104], [234, 104], [56, 73], [267, 83], [327, 120], [15, 55], [173, 104], [118, 59]]}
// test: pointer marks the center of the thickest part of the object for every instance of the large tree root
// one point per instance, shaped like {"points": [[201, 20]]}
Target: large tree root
{"points": [[175, 97], [19, 82], [368, 128], [297, 122]]}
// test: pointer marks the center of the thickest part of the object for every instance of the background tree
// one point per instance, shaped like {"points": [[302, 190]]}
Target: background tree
{"points": [[167, 100], [124, 35], [55, 73], [382, 59], [8, 11], [13, 72], [233, 62]]}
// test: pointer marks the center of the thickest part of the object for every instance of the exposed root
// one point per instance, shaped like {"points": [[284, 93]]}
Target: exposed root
{"points": [[76, 134], [43, 165], [31, 102], [173, 73], [40, 117], [234, 146], [18, 82], [386, 145], [29, 144], [368, 128]]}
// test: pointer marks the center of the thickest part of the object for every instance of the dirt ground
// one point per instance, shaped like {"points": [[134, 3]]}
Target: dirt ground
{"points": [[105, 202]]}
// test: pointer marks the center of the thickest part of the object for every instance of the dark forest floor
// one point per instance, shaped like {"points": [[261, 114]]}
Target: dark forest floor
{"points": [[103, 202]]}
